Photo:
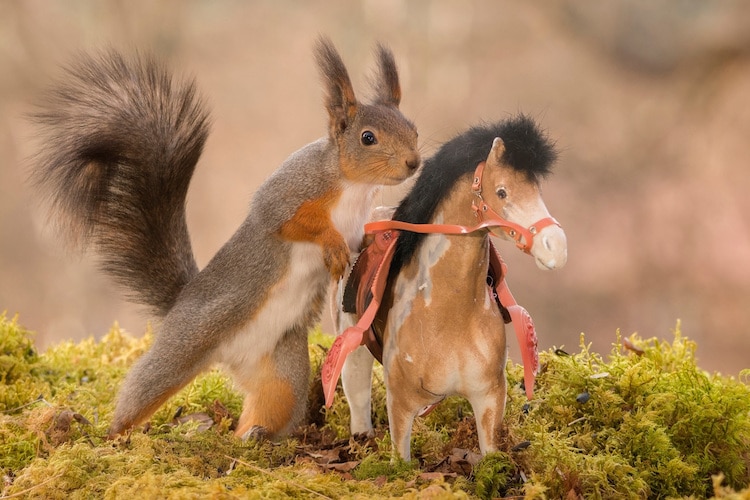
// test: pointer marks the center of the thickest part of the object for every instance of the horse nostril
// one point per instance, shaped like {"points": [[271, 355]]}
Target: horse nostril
{"points": [[555, 243], [547, 243]]}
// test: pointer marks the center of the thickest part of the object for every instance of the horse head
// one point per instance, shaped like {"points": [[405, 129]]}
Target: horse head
{"points": [[510, 199]]}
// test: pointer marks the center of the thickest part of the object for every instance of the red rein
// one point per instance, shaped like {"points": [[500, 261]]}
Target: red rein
{"points": [[487, 216]]}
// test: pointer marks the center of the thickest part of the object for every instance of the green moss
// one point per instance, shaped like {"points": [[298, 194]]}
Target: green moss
{"points": [[654, 423], [17, 360], [643, 421], [492, 474], [373, 467]]}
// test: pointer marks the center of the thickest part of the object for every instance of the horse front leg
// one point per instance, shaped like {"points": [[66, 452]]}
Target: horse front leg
{"points": [[489, 409], [356, 377], [401, 415]]}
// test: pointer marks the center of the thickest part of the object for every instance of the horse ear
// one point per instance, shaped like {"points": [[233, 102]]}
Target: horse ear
{"points": [[497, 151], [385, 84], [340, 100]]}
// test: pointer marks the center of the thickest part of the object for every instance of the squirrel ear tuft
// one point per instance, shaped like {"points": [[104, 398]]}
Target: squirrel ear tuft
{"points": [[385, 84], [340, 100]]}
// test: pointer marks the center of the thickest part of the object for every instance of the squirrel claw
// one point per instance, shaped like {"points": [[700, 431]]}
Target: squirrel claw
{"points": [[257, 433], [336, 260]]}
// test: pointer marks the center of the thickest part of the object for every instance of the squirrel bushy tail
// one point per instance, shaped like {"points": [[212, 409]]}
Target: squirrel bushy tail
{"points": [[121, 143]]}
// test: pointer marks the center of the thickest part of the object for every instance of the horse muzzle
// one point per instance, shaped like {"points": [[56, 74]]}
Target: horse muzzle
{"points": [[550, 248]]}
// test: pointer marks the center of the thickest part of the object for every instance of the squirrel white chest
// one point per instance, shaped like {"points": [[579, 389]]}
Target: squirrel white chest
{"points": [[352, 211], [288, 300], [286, 307]]}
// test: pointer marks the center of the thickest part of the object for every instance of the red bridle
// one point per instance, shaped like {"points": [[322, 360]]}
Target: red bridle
{"points": [[488, 218], [515, 231]]}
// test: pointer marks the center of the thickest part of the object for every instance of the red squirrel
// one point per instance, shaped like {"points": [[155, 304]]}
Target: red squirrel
{"points": [[121, 142]]}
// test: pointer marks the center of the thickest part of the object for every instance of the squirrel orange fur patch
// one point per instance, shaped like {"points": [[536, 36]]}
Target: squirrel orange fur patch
{"points": [[269, 401], [312, 222]]}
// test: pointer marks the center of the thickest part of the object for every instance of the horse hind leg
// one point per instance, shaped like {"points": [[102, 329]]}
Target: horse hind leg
{"points": [[400, 422], [403, 402]]}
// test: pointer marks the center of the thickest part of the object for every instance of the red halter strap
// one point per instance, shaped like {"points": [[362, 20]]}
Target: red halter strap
{"points": [[524, 237], [488, 218]]}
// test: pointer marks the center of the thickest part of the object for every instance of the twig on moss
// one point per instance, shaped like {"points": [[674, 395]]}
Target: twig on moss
{"points": [[286, 481], [24, 492], [39, 399]]}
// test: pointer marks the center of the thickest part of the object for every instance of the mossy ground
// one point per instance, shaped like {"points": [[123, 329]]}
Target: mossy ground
{"points": [[644, 422]]}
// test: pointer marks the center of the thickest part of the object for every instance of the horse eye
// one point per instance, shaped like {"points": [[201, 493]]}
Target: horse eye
{"points": [[368, 138], [501, 193]]}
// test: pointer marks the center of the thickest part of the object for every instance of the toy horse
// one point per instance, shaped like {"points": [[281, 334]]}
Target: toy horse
{"points": [[430, 289]]}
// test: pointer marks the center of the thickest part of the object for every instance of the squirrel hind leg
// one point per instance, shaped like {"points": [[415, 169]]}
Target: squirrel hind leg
{"points": [[150, 383], [276, 389]]}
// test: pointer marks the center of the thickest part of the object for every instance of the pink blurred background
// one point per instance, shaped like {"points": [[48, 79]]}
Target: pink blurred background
{"points": [[649, 104]]}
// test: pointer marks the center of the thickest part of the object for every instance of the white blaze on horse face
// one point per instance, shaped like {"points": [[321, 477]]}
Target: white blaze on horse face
{"points": [[550, 248]]}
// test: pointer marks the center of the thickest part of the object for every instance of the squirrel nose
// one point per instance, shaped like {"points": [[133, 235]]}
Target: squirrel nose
{"points": [[412, 161]]}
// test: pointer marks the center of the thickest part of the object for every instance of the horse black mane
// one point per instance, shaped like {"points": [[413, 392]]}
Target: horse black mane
{"points": [[527, 149]]}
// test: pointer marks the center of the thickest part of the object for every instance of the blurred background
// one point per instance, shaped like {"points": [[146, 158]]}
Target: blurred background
{"points": [[648, 102]]}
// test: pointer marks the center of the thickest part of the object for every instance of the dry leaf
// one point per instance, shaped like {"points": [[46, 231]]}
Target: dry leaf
{"points": [[343, 467], [204, 420], [435, 476]]}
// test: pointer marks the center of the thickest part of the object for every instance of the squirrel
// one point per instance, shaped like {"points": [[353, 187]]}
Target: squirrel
{"points": [[122, 138]]}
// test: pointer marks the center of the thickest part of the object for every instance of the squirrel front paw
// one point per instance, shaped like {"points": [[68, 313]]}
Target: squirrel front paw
{"points": [[336, 258]]}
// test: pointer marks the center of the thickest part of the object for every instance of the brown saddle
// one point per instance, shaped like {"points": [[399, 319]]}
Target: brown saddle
{"points": [[359, 286]]}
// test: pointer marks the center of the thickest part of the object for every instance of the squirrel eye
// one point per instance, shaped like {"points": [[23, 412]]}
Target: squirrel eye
{"points": [[501, 193], [368, 138]]}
